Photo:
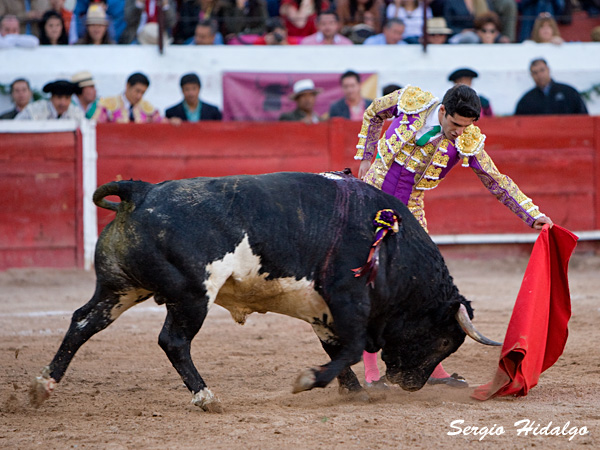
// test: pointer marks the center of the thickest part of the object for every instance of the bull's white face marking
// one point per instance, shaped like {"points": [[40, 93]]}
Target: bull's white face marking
{"points": [[235, 283], [126, 300]]}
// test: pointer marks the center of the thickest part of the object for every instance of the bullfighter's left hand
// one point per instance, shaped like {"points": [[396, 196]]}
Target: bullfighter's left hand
{"points": [[539, 223]]}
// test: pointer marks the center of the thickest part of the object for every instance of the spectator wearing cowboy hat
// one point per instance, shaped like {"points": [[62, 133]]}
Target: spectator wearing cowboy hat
{"points": [[305, 96], [58, 107], [465, 76], [85, 93]]}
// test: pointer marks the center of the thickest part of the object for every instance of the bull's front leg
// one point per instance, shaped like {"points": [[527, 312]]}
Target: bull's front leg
{"points": [[348, 383], [183, 322], [350, 318]]}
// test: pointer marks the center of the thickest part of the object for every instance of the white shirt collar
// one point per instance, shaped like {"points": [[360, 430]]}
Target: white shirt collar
{"points": [[125, 101], [432, 120]]}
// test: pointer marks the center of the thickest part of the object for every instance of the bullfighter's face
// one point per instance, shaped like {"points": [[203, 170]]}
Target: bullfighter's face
{"points": [[414, 348], [453, 126]]}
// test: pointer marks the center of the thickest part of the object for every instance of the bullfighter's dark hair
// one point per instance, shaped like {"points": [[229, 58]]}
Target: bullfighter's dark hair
{"points": [[348, 74], [391, 88], [190, 78], [462, 100], [138, 78]]}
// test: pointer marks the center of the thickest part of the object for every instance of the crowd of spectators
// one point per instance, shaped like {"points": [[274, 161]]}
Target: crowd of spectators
{"points": [[29, 23], [77, 98], [234, 22]]}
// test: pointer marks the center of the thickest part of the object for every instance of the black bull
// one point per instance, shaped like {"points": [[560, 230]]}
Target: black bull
{"points": [[285, 243]]}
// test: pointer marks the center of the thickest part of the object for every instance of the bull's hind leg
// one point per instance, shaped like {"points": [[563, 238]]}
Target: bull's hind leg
{"points": [[102, 309], [184, 319]]}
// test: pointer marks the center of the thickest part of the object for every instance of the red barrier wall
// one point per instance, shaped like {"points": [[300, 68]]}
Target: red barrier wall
{"points": [[555, 160], [40, 205]]}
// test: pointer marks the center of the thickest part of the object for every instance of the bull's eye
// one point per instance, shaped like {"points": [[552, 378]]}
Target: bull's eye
{"points": [[445, 343]]}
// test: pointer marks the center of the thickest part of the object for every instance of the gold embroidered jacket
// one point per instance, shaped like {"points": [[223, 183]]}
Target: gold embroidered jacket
{"points": [[407, 170]]}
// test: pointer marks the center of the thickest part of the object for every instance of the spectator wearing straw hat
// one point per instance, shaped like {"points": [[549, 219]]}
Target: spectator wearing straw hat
{"points": [[437, 31], [85, 93], [58, 107], [96, 27], [305, 96], [114, 9]]}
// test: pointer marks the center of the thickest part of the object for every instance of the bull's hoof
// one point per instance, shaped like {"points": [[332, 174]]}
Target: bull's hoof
{"points": [[305, 381], [41, 388], [206, 400]]}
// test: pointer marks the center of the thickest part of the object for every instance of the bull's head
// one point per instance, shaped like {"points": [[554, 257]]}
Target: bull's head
{"points": [[415, 345]]}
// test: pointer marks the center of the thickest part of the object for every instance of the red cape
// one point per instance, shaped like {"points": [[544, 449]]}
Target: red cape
{"points": [[537, 331]]}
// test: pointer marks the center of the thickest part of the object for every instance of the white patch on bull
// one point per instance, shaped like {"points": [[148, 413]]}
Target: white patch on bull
{"points": [[150, 210], [82, 323], [236, 284], [126, 300], [331, 176]]}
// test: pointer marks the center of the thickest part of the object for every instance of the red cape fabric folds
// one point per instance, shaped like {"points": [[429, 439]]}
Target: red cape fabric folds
{"points": [[537, 331]]}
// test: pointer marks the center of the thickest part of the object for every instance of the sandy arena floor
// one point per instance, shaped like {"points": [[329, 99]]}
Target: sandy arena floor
{"points": [[121, 392]]}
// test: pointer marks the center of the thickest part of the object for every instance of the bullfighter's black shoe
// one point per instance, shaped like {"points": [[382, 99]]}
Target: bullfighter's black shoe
{"points": [[454, 380]]}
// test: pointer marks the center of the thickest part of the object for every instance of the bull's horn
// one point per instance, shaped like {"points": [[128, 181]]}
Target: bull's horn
{"points": [[462, 317]]}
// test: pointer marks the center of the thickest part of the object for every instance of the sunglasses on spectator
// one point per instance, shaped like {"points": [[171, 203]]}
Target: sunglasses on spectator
{"points": [[488, 30]]}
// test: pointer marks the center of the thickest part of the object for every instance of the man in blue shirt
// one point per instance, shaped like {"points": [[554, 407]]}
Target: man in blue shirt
{"points": [[392, 34]]}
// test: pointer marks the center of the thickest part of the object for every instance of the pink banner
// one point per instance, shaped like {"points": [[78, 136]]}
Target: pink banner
{"points": [[265, 96]]}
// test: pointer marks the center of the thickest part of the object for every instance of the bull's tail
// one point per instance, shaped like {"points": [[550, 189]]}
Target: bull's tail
{"points": [[125, 190]]}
